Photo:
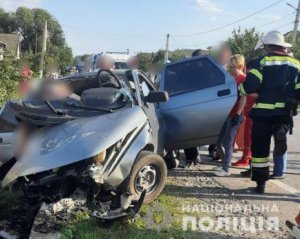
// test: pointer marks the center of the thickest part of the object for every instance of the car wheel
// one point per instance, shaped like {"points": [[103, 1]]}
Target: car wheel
{"points": [[148, 173]]}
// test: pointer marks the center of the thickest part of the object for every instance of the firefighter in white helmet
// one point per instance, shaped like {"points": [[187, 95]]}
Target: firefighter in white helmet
{"points": [[277, 84]]}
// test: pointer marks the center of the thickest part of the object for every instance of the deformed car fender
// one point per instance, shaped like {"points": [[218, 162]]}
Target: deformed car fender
{"points": [[57, 146], [121, 170]]}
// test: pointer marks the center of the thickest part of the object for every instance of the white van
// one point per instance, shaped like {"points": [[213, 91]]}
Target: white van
{"points": [[120, 59]]}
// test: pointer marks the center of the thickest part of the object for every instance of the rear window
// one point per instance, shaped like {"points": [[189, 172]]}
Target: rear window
{"points": [[191, 76], [121, 65]]}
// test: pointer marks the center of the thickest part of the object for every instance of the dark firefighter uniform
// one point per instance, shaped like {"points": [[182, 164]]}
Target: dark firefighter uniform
{"points": [[276, 81]]}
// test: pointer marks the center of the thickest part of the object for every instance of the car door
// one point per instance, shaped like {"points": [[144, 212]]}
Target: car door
{"points": [[153, 113], [201, 97]]}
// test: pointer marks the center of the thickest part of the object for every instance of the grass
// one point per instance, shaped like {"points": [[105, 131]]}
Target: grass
{"points": [[9, 201], [84, 227]]}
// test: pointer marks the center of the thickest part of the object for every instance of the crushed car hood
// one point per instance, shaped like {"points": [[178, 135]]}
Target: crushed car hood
{"points": [[57, 146]]}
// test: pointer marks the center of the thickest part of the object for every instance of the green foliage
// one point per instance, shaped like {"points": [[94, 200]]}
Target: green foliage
{"points": [[145, 60], [149, 59], [296, 48], [30, 23], [243, 42], [8, 21], [84, 228], [178, 55], [9, 79], [9, 201], [33, 58], [60, 55], [159, 57]]}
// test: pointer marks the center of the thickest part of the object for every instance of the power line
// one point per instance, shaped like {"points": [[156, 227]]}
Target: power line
{"points": [[231, 23], [277, 20], [176, 42], [284, 25], [195, 45]]}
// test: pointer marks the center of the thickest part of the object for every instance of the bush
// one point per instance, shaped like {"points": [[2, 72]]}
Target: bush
{"points": [[9, 76], [9, 201]]}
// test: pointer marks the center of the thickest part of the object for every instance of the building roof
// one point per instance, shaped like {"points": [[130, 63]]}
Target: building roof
{"points": [[11, 41]]}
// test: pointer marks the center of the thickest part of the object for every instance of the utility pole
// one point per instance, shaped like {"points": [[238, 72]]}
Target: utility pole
{"points": [[167, 48], [44, 47], [295, 31]]}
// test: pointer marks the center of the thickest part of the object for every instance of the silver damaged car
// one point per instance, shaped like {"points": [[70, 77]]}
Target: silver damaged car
{"points": [[112, 139]]}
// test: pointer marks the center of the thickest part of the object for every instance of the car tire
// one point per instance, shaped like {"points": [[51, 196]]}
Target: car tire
{"points": [[154, 168]]}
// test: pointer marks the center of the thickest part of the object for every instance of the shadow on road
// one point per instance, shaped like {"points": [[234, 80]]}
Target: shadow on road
{"points": [[224, 193], [219, 191]]}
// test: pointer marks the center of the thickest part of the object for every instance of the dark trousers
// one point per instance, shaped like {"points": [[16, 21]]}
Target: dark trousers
{"points": [[262, 131], [191, 154]]}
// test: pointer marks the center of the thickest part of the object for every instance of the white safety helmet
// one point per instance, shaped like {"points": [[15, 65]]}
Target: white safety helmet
{"points": [[272, 38]]}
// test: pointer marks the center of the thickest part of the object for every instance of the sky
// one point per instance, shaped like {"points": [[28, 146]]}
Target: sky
{"points": [[94, 26]]}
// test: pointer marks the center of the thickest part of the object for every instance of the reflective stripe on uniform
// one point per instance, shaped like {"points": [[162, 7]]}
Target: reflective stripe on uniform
{"points": [[269, 106], [257, 74], [260, 162], [280, 60], [297, 87], [259, 165], [242, 89]]}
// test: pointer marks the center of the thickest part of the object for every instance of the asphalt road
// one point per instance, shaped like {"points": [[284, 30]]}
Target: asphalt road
{"points": [[294, 157], [284, 194]]}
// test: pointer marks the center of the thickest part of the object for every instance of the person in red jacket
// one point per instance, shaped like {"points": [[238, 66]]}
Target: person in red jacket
{"points": [[250, 101], [26, 74]]}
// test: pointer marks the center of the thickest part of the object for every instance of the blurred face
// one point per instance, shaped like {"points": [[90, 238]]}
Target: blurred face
{"points": [[56, 91], [133, 63], [105, 64], [224, 56]]}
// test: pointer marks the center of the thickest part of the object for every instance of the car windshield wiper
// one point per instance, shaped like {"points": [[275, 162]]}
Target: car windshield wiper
{"points": [[89, 108], [55, 111]]}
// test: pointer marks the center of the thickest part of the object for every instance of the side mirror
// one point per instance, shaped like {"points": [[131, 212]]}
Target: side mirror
{"points": [[157, 96]]}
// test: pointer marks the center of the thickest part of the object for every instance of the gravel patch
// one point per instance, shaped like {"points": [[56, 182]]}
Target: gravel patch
{"points": [[200, 194]]}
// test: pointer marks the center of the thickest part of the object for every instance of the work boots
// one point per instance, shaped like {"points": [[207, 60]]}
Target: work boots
{"points": [[246, 173], [260, 188]]}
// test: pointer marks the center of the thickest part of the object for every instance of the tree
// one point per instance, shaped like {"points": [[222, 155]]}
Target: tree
{"points": [[243, 42], [145, 60], [9, 79], [26, 25], [296, 48], [30, 23], [178, 55], [8, 22], [159, 57]]}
